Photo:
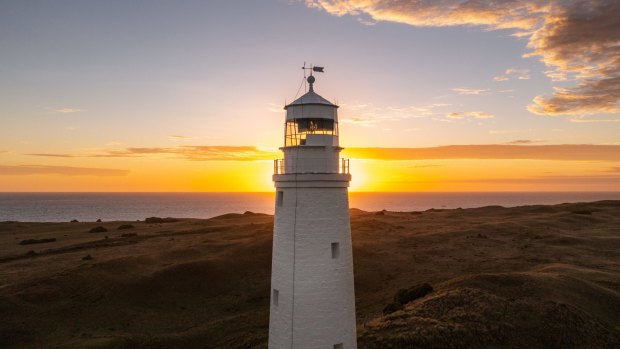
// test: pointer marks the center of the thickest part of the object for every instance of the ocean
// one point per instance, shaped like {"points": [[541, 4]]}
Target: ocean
{"points": [[63, 207]]}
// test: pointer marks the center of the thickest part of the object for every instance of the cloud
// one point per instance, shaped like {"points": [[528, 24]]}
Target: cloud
{"points": [[369, 115], [519, 73], [51, 155], [523, 141], [180, 138], [565, 152], [589, 97], [468, 91], [546, 180], [20, 170], [519, 149], [593, 120], [469, 114], [198, 153], [576, 40], [68, 110]]}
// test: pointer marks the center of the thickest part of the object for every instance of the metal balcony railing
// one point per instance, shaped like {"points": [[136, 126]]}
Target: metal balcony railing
{"points": [[311, 165]]}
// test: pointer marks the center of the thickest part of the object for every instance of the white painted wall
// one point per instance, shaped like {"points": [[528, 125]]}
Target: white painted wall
{"points": [[311, 159], [316, 305]]}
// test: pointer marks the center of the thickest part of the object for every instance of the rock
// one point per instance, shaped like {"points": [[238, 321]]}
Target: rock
{"points": [[98, 221], [31, 253], [128, 235], [74, 221], [98, 229], [87, 257]]}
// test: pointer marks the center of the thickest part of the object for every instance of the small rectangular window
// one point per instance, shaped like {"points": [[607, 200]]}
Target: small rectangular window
{"points": [[339, 346], [279, 198], [274, 298], [335, 250]]}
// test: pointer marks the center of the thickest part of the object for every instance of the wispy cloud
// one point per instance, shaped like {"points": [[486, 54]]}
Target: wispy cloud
{"points": [[20, 170], [180, 138], [197, 153], [274, 108], [519, 149], [518, 73], [469, 91], [53, 155], [469, 114], [68, 110], [593, 120], [547, 180], [368, 115], [576, 39], [566, 152], [524, 141]]}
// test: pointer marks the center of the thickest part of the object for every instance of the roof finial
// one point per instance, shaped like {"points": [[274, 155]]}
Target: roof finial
{"points": [[311, 81]]}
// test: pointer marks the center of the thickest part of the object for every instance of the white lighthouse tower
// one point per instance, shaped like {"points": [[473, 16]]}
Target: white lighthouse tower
{"points": [[312, 292]]}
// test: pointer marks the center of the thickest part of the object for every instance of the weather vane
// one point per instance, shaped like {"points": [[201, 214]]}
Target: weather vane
{"points": [[312, 69], [310, 78]]}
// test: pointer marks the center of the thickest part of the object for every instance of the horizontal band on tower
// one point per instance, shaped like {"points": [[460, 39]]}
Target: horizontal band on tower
{"points": [[312, 180]]}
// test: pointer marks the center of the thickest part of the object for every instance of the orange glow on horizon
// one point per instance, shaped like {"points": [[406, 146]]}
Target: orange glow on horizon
{"points": [[160, 174]]}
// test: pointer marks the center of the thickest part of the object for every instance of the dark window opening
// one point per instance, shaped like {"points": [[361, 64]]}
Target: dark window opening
{"points": [[279, 198], [275, 296], [335, 250]]}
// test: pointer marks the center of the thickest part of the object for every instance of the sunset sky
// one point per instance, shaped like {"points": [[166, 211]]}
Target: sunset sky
{"points": [[188, 95]]}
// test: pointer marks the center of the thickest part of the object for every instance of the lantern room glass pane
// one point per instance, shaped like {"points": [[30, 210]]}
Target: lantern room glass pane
{"points": [[296, 130]]}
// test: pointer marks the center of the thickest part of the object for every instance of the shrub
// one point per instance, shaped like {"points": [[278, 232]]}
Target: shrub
{"points": [[406, 295], [98, 229], [36, 241], [160, 220], [125, 226], [392, 307]]}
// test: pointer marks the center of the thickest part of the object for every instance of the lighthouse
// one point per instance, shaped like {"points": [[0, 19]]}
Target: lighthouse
{"points": [[312, 292]]}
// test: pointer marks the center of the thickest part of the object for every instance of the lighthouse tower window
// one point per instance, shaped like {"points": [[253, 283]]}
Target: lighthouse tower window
{"points": [[280, 198], [335, 250], [275, 296]]}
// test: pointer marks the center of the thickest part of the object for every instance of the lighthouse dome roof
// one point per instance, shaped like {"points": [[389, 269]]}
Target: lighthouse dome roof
{"points": [[310, 97]]}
